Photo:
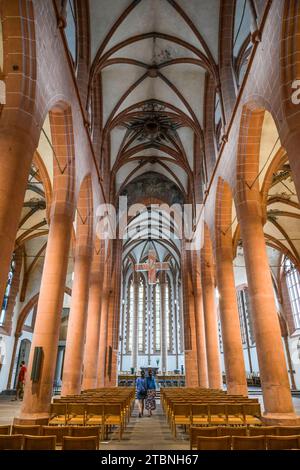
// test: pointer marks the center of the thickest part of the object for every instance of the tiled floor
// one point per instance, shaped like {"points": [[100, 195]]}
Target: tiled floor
{"points": [[142, 433]]}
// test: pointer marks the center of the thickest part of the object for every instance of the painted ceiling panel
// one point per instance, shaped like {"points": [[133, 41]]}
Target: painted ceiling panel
{"points": [[157, 49]]}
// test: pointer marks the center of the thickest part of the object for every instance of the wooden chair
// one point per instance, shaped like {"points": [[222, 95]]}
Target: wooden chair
{"points": [[214, 443], [58, 431], [76, 414], [85, 431], [262, 430], [231, 431], [113, 417], [196, 432], [5, 430], [287, 431], [95, 416], [58, 414], [34, 430], [199, 414], [282, 442], [181, 415], [39, 443], [248, 443], [217, 414], [235, 415], [252, 414], [80, 443], [14, 442]]}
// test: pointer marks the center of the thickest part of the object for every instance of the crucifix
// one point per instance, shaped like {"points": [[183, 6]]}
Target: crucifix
{"points": [[152, 266]]}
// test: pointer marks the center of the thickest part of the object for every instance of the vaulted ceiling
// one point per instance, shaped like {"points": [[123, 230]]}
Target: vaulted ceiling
{"points": [[151, 64], [151, 59]]}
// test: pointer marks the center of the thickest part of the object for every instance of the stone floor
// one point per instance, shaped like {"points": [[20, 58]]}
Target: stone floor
{"points": [[148, 433], [142, 433]]}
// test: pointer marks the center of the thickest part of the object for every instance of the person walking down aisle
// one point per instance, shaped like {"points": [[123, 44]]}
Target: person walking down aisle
{"points": [[141, 389], [150, 404]]}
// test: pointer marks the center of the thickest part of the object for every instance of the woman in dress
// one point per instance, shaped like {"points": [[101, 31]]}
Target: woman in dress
{"points": [[141, 394], [150, 404]]}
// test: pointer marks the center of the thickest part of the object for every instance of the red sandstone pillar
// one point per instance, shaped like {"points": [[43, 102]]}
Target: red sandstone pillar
{"points": [[73, 363], [211, 324], [272, 366], [16, 153], [230, 324], [200, 340], [38, 395], [190, 353], [199, 321], [188, 309], [91, 352], [103, 338]]}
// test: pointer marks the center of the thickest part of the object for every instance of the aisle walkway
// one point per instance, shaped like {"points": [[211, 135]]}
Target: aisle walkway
{"points": [[148, 434]]}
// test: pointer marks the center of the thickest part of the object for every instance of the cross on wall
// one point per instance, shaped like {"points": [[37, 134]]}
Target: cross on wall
{"points": [[152, 266]]}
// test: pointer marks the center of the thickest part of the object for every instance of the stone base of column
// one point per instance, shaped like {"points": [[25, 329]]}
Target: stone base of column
{"points": [[280, 419], [31, 419]]}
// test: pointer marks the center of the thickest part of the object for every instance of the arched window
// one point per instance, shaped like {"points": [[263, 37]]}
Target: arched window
{"points": [[246, 325], [70, 30], [242, 44], [293, 284], [141, 317], [7, 291], [167, 310], [129, 320], [218, 121], [157, 316]]}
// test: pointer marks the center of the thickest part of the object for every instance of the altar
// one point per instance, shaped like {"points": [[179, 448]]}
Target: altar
{"points": [[147, 368]]}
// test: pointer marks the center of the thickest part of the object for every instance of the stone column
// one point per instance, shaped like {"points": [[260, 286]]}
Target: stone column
{"points": [[163, 327], [37, 396], [211, 323], [190, 353], [103, 337], [91, 352], [199, 322], [229, 315], [272, 365], [200, 340], [188, 308], [73, 365], [16, 153], [135, 325]]}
